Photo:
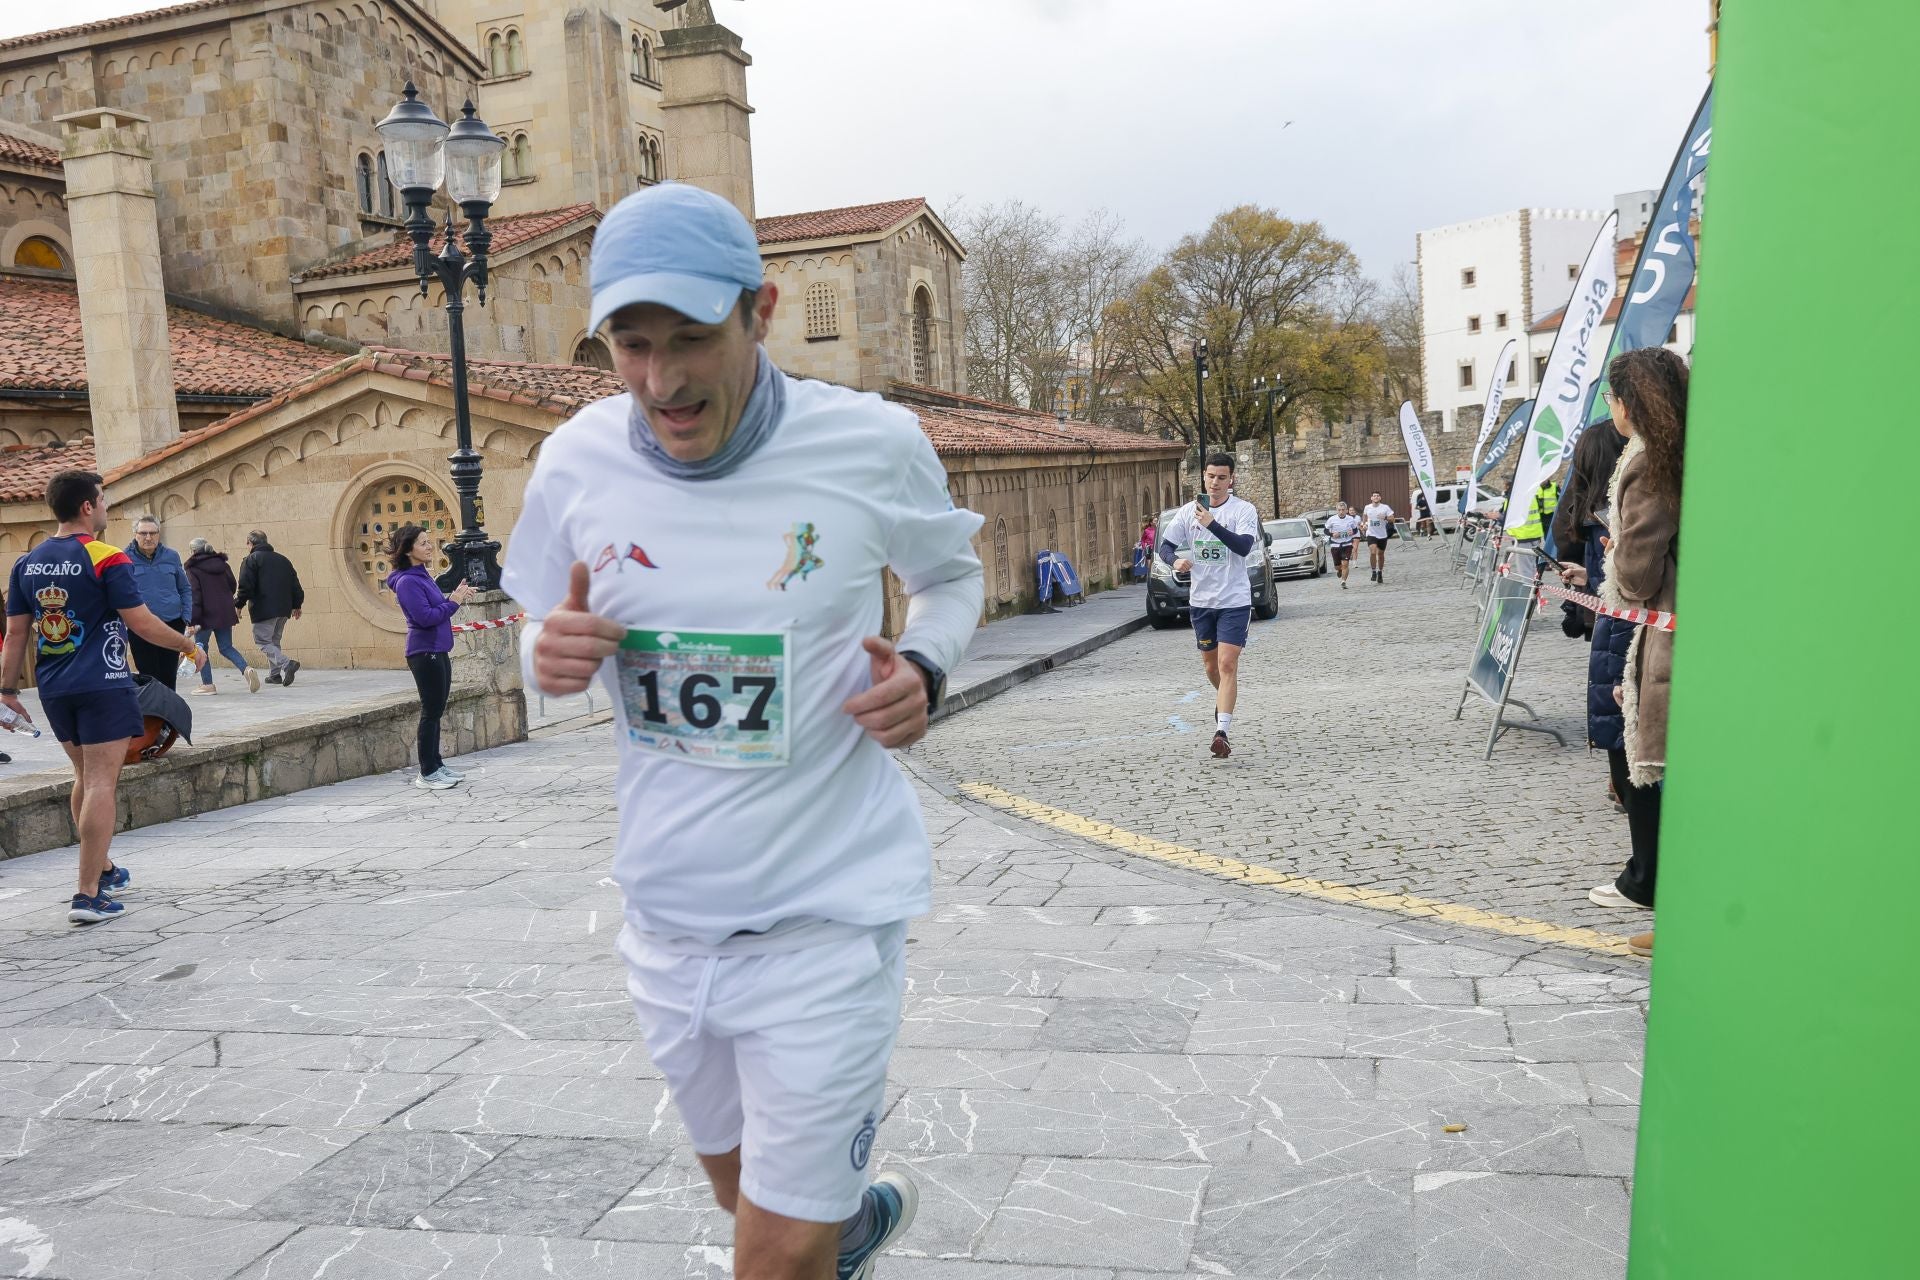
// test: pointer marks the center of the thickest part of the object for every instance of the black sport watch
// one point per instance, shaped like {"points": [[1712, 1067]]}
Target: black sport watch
{"points": [[935, 677]]}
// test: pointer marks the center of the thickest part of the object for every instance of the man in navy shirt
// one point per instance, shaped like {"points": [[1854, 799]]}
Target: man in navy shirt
{"points": [[74, 598]]}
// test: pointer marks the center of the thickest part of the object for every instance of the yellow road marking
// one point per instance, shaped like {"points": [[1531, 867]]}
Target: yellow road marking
{"points": [[1404, 904]]}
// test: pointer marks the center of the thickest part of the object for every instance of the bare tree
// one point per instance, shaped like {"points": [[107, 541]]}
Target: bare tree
{"points": [[1016, 329], [1099, 266], [1398, 316]]}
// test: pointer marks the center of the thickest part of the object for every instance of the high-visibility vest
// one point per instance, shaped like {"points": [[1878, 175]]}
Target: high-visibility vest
{"points": [[1545, 499]]}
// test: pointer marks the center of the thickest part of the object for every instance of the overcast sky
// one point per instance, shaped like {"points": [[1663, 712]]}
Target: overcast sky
{"points": [[1406, 114]]}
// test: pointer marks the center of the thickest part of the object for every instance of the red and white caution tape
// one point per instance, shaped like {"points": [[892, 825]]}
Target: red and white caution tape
{"points": [[1655, 618], [490, 623]]}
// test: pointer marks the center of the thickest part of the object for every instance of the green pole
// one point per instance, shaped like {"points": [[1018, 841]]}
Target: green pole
{"points": [[1778, 1134]]}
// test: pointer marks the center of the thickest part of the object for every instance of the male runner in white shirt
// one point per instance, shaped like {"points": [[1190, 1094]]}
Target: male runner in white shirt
{"points": [[1342, 526], [1379, 518], [711, 548], [1223, 531]]}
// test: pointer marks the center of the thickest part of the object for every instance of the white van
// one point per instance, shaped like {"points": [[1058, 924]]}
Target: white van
{"points": [[1487, 502]]}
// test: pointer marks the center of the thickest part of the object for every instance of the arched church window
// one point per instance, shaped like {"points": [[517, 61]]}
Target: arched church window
{"points": [[1053, 531], [520, 153], [649, 160], [635, 66], [1002, 578], [496, 55], [516, 52], [386, 185], [922, 336], [647, 71], [593, 354], [823, 310], [40, 253], [363, 181]]}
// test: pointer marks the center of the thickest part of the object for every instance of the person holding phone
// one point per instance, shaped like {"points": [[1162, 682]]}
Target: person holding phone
{"points": [[429, 612], [1222, 531]]}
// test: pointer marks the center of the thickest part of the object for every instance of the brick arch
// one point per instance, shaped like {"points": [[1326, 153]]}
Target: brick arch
{"points": [[350, 426], [416, 418], [174, 504], [243, 475], [8, 437], [278, 458], [313, 442], [207, 491]]}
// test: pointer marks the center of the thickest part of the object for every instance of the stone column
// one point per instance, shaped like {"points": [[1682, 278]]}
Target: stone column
{"points": [[490, 660], [123, 304], [704, 70]]}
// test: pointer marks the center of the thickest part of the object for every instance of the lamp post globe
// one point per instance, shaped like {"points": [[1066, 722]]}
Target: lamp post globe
{"points": [[413, 135]]}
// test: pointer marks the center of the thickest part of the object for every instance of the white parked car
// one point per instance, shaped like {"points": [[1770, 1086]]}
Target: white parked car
{"points": [[1293, 550]]}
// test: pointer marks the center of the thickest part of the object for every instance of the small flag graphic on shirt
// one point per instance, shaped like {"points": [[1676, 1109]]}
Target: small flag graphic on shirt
{"points": [[638, 554], [605, 558]]}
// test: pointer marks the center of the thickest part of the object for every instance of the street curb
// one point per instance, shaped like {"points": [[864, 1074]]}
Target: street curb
{"points": [[975, 694]]}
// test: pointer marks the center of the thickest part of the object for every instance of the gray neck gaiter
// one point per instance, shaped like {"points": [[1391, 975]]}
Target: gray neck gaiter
{"points": [[758, 421]]}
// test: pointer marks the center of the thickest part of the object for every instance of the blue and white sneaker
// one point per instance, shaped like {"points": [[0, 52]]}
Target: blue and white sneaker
{"points": [[448, 771], [114, 878], [93, 910], [895, 1200]]}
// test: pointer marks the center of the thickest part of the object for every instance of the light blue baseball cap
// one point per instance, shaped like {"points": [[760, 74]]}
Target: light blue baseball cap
{"points": [[676, 245]]}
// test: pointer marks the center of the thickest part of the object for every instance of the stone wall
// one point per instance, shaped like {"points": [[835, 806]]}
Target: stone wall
{"points": [[290, 755], [32, 207], [257, 122], [831, 357], [309, 482], [890, 273], [1312, 455], [536, 310], [1031, 502]]}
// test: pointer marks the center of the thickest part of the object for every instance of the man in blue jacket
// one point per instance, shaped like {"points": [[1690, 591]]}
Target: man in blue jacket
{"points": [[165, 591]]}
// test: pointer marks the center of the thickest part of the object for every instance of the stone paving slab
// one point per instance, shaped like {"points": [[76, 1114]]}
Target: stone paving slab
{"points": [[366, 1031]]}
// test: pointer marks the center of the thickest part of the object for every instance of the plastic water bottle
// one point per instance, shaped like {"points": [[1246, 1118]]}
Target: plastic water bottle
{"points": [[9, 717]]}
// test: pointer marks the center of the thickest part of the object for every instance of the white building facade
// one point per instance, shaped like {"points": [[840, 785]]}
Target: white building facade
{"points": [[1483, 282]]}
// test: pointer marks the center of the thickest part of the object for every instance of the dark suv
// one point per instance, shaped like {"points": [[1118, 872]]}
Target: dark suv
{"points": [[1167, 591]]}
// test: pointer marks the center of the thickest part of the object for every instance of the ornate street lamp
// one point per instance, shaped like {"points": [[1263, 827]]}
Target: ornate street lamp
{"points": [[421, 152]]}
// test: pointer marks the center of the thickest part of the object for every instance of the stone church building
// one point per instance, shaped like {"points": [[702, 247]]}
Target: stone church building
{"points": [[205, 292]]}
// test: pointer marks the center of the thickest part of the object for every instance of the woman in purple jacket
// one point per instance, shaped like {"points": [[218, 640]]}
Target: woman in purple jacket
{"points": [[429, 643]]}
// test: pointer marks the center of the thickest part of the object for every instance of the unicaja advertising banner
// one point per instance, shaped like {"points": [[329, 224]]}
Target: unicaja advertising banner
{"points": [[1657, 289], [1504, 439], [1496, 392], [1574, 366], [1418, 453]]}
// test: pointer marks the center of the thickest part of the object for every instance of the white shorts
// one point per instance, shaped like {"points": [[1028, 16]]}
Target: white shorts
{"points": [[782, 1054]]}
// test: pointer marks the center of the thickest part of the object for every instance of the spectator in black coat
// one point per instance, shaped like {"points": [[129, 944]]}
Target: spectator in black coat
{"points": [[214, 616], [270, 591]]}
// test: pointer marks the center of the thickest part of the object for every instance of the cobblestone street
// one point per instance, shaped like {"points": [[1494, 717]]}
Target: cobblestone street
{"points": [[1346, 762], [370, 1033]]}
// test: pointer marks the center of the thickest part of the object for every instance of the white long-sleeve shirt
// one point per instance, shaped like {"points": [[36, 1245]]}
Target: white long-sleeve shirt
{"points": [[747, 796]]}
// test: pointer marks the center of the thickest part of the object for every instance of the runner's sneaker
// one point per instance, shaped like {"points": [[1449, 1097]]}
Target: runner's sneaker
{"points": [[895, 1200], [433, 782], [1221, 747], [93, 910], [205, 690], [450, 772], [446, 775], [253, 680], [293, 665], [273, 677], [115, 878]]}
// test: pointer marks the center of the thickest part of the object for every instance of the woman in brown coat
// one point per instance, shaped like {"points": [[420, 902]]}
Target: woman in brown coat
{"points": [[1649, 400]]}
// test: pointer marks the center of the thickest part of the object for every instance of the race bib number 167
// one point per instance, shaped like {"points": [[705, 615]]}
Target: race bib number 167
{"points": [[707, 697]]}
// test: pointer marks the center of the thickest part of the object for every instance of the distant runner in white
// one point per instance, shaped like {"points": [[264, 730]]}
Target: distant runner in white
{"points": [[711, 548], [1222, 531], [1379, 521]]}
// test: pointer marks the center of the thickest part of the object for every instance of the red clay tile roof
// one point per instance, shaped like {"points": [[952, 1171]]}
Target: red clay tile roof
{"points": [[508, 232], [109, 24], [1551, 321], [19, 151], [824, 224], [26, 468], [970, 425], [41, 350]]}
